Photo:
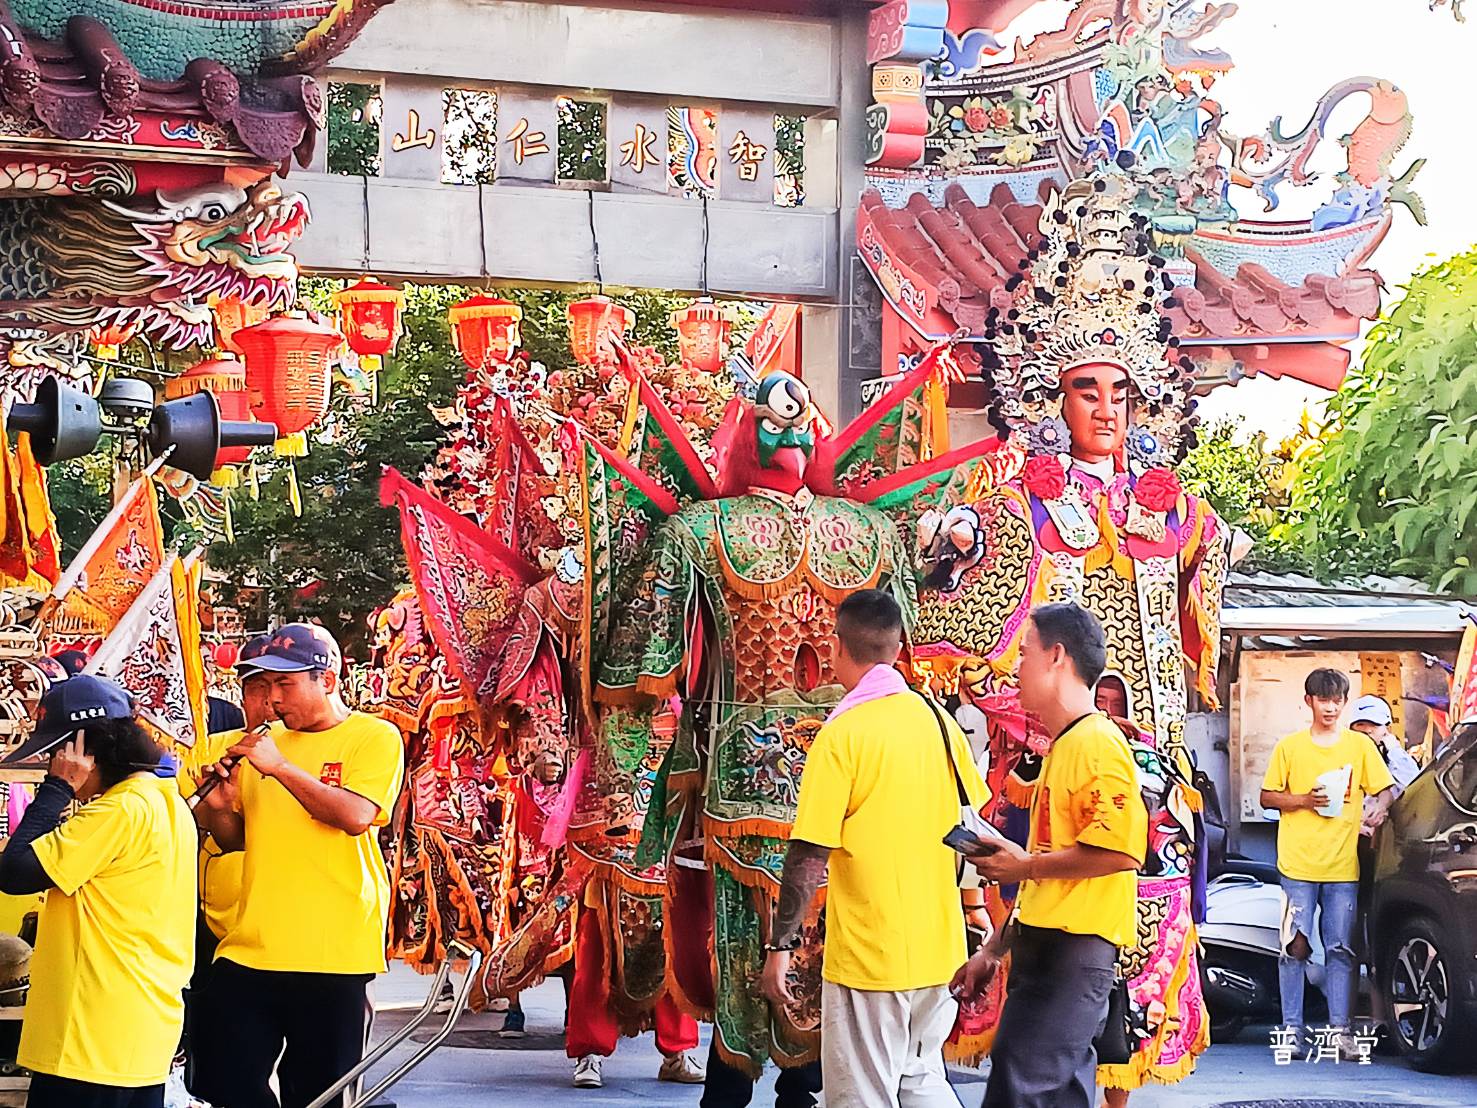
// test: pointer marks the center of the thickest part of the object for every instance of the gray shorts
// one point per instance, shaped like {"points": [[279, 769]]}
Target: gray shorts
{"points": [[1056, 1002]]}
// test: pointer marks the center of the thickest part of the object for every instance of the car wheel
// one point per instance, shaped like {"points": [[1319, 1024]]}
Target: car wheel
{"points": [[1418, 980]]}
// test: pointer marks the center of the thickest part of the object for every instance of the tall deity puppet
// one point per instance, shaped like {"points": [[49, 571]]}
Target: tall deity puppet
{"points": [[1081, 503]]}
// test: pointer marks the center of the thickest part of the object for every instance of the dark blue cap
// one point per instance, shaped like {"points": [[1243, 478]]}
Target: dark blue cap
{"points": [[251, 650], [298, 648], [67, 707]]}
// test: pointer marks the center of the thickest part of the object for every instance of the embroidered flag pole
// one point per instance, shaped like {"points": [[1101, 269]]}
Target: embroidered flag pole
{"points": [[100, 535], [151, 654]]}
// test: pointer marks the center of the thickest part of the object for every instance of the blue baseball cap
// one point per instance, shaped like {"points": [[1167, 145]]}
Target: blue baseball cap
{"points": [[298, 648], [251, 650], [67, 707]]}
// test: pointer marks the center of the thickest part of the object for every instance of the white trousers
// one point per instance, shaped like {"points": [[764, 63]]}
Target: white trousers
{"points": [[886, 1050]]}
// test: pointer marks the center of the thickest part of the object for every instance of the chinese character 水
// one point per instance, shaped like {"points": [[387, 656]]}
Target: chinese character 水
{"points": [[637, 152]]}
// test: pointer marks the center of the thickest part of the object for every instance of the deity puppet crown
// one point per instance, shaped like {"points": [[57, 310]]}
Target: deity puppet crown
{"points": [[1089, 294]]}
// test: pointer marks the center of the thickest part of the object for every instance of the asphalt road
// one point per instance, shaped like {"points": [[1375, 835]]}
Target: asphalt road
{"points": [[475, 1067]]}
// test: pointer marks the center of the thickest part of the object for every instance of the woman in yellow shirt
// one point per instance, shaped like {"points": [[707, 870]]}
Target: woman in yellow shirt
{"points": [[115, 939]]}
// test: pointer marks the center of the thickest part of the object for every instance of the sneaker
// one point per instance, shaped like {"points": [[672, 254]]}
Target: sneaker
{"points": [[1349, 1049], [587, 1072], [445, 1001], [513, 1025], [680, 1069]]}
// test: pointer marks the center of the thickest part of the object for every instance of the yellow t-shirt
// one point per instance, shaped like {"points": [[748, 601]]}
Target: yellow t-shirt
{"points": [[1088, 792], [1311, 847], [877, 790], [218, 872], [116, 940], [314, 899]]}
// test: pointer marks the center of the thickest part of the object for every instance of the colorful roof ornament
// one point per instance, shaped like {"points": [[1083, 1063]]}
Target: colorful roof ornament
{"points": [[1123, 93]]}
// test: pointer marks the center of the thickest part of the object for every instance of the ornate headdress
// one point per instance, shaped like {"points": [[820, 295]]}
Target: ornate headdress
{"points": [[1090, 294]]}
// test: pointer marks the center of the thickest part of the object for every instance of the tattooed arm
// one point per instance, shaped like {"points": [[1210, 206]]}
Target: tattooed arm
{"points": [[805, 868]]}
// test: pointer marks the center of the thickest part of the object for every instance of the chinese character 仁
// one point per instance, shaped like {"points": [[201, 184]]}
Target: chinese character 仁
{"points": [[526, 143]]}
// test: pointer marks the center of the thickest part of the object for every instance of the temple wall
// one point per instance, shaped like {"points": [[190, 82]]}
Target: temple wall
{"points": [[640, 60]]}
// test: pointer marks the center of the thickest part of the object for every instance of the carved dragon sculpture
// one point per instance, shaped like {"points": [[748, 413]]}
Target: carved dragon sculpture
{"points": [[1267, 161], [71, 265]]}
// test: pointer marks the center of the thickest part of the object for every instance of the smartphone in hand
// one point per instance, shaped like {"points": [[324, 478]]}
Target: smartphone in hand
{"points": [[966, 842]]}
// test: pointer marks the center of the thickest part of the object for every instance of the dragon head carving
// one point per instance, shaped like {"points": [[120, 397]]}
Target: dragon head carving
{"points": [[156, 266], [215, 241]]}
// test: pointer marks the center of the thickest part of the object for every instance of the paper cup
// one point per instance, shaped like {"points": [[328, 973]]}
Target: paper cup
{"points": [[1334, 783]]}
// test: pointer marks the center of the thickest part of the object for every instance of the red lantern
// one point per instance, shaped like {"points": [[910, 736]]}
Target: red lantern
{"points": [[288, 374], [484, 329], [232, 314], [225, 378], [108, 337], [593, 323], [702, 335], [225, 655], [369, 317]]}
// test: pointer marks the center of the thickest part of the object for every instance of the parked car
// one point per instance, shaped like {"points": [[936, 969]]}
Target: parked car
{"points": [[1423, 912]]}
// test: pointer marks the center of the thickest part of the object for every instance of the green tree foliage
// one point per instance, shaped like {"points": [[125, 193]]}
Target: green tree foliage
{"points": [[342, 558], [582, 146], [1394, 487], [80, 494], [1248, 482], [353, 129]]}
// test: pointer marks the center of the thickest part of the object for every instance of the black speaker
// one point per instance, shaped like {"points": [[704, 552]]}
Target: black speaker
{"points": [[64, 422], [193, 426]]}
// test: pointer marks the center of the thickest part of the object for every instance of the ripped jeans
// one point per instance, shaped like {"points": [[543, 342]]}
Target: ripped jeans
{"points": [[1339, 901]]}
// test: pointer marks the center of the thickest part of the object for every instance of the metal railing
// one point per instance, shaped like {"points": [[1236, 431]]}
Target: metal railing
{"points": [[458, 1005]]}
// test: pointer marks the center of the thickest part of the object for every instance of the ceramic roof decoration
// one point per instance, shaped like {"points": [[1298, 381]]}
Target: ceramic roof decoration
{"points": [[1122, 91], [248, 37], [84, 85]]}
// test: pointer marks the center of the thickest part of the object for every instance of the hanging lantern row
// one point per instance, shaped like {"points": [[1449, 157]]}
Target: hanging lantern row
{"points": [[593, 323], [369, 315], [702, 335], [107, 339], [484, 329]]}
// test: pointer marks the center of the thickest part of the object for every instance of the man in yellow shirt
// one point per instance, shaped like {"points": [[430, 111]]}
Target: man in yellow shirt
{"points": [[882, 786], [113, 946], [1078, 888], [1317, 780], [304, 802]]}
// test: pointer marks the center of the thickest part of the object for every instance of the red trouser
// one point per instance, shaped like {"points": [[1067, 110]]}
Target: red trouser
{"points": [[590, 1025]]}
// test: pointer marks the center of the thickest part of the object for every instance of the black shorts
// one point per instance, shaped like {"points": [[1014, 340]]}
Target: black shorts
{"points": [[316, 1022], [64, 1092]]}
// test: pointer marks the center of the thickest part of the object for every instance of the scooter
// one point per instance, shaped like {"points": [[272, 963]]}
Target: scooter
{"points": [[1240, 940]]}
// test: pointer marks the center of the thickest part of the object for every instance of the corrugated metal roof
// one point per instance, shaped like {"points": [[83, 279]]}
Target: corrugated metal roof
{"points": [[1275, 606]]}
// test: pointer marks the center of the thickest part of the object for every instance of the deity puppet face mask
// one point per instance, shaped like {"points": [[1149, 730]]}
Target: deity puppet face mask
{"points": [[785, 418], [1095, 409]]}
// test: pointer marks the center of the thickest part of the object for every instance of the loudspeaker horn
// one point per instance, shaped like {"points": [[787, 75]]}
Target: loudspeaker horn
{"points": [[64, 421], [193, 426]]}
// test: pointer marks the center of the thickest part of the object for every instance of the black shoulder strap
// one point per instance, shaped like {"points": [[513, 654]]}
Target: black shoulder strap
{"points": [[948, 750]]}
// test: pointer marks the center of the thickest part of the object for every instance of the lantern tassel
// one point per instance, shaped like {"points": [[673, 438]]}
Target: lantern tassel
{"points": [[294, 445], [226, 478], [230, 522], [294, 494], [254, 483]]}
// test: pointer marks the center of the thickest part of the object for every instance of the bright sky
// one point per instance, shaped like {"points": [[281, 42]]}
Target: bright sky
{"points": [[1287, 54]]}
